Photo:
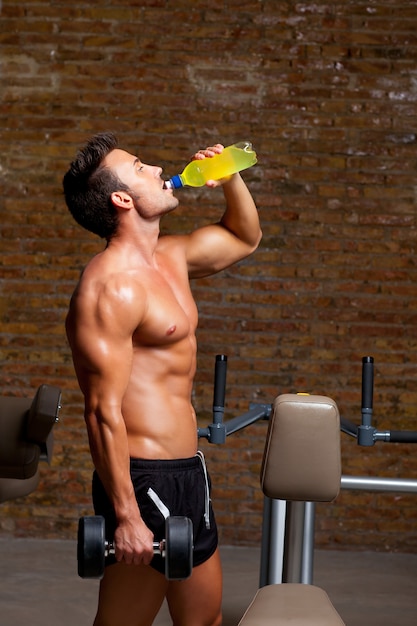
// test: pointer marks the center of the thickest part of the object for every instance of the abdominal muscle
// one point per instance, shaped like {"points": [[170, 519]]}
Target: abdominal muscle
{"points": [[157, 410]]}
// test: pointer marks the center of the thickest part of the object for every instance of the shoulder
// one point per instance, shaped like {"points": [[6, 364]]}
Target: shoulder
{"points": [[107, 301]]}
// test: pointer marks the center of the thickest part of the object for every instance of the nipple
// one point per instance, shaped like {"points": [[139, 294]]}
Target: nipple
{"points": [[171, 330]]}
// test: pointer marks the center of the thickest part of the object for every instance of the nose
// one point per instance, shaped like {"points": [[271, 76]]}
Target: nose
{"points": [[158, 171]]}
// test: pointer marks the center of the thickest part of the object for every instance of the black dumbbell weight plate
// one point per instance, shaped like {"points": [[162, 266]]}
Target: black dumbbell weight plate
{"points": [[91, 546], [178, 548]]}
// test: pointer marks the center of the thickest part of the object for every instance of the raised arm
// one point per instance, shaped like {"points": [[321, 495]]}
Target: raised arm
{"points": [[211, 249]]}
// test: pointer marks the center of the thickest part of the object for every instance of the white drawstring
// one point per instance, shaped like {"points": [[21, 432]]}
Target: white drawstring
{"points": [[207, 489]]}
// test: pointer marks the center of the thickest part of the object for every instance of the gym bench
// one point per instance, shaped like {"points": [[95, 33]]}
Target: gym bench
{"points": [[301, 464]]}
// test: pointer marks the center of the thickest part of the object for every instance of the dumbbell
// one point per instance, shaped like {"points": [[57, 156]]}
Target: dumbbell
{"points": [[176, 548]]}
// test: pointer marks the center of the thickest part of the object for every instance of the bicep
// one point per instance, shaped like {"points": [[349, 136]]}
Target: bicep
{"points": [[211, 249], [103, 363]]}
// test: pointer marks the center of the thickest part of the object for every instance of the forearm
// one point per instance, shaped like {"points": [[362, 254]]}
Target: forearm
{"points": [[109, 449], [241, 215], [110, 454]]}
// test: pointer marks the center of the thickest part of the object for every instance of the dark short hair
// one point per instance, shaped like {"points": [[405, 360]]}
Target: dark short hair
{"points": [[88, 186]]}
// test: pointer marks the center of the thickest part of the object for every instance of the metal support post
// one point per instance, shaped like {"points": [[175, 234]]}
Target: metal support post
{"points": [[272, 548]]}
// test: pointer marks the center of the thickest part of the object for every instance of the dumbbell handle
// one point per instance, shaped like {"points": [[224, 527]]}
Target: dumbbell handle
{"points": [[158, 548]]}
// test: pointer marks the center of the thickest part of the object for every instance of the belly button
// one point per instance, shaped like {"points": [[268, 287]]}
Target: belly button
{"points": [[171, 330]]}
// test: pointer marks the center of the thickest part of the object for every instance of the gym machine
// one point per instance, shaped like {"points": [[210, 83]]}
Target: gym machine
{"points": [[301, 462], [287, 550], [300, 568], [26, 437], [287, 523]]}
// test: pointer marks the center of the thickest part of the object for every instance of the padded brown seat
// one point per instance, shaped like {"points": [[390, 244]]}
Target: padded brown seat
{"points": [[26, 436], [291, 603], [12, 488], [301, 463]]}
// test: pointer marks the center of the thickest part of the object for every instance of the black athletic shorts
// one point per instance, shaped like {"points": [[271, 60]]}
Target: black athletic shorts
{"points": [[183, 486]]}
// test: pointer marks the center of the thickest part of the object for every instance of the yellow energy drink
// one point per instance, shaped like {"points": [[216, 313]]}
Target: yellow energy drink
{"points": [[234, 158]]}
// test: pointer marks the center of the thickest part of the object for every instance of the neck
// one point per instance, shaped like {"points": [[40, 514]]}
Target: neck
{"points": [[136, 236]]}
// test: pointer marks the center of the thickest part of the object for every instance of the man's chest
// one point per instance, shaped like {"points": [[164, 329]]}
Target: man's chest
{"points": [[171, 313]]}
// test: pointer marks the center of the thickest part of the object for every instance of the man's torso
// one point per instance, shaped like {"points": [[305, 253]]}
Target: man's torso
{"points": [[156, 405]]}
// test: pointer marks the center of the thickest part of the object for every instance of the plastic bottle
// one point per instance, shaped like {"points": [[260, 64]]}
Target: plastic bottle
{"points": [[234, 158]]}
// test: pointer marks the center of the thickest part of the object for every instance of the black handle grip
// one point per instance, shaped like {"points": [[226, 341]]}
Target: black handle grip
{"points": [[367, 382], [220, 370], [405, 436]]}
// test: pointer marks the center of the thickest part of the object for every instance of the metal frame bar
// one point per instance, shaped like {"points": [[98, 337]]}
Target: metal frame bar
{"points": [[287, 550]]}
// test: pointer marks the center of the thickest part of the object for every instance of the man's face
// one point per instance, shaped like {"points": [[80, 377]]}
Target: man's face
{"points": [[145, 184]]}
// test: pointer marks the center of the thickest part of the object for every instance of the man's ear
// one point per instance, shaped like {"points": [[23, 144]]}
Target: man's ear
{"points": [[122, 200]]}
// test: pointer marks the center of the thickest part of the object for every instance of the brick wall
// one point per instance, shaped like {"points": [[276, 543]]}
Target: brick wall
{"points": [[327, 93]]}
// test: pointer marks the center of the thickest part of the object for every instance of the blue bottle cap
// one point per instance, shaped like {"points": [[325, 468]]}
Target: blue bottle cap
{"points": [[176, 182]]}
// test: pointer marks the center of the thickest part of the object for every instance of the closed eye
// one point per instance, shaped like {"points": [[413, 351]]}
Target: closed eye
{"points": [[141, 166]]}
